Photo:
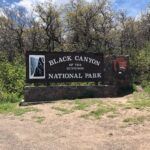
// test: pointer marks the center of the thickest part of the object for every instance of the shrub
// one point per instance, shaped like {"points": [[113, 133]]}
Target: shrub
{"points": [[147, 88], [12, 76], [140, 64], [9, 97]]}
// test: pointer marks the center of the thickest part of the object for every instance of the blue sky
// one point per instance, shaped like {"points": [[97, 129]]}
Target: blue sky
{"points": [[133, 7]]}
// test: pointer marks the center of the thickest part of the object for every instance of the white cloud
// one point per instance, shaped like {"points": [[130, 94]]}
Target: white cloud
{"points": [[29, 4], [2, 13]]}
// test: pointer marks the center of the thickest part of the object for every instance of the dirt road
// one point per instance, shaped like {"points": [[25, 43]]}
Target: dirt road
{"points": [[54, 129]]}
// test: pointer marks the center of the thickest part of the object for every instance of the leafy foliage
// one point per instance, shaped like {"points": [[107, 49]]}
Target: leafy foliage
{"points": [[12, 76], [140, 64]]}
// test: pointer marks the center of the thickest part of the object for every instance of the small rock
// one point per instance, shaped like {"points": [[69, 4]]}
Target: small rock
{"points": [[110, 134]]}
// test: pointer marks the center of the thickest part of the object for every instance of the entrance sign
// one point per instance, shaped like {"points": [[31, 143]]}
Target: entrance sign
{"points": [[64, 67]]}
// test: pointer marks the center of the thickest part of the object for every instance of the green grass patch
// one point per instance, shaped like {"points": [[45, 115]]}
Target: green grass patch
{"points": [[6, 97], [12, 108], [101, 111], [147, 89], [39, 119], [100, 108], [81, 105], [112, 115], [136, 120], [84, 104], [139, 101], [63, 110]]}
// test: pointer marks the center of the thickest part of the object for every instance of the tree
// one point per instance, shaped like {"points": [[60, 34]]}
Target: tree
{"points": [[34, 36], [90, 25], [145, 25], [18, 21], [7, 38], [50, 23]]}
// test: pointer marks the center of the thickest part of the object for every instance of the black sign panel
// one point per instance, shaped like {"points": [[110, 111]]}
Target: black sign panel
{"points": [[63, 67]]}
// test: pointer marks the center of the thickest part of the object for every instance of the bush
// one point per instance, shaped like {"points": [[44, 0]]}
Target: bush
{"points": [[147, 88], [140, 66], [12, 77], [9, 97]]}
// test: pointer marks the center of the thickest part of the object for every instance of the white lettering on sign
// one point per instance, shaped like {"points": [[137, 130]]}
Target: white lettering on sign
{"points": [[74, 76], [87, 59], [60, 60], [92, 75], [76, 58], [65, 76]]}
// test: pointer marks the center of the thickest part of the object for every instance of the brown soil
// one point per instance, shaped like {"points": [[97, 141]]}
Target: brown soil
{"points": [[72, 132]]}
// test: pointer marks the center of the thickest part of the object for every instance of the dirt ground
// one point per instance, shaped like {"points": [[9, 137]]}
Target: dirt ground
{"points": [[50, 129]]}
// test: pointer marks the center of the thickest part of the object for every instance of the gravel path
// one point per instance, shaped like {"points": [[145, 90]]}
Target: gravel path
{"points": [[70, 132]]}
